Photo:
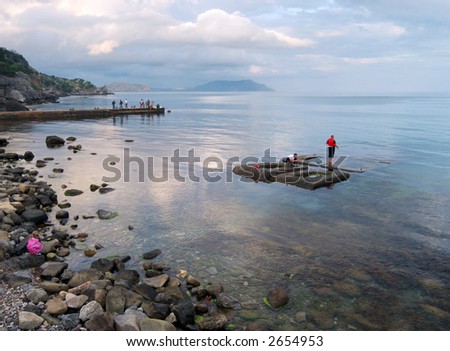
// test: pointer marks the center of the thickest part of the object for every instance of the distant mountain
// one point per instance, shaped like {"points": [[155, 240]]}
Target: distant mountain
{"points": [[21, 84], [127, 87], [231, 85]]}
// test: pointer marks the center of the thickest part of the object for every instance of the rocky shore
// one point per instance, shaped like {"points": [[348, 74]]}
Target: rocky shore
{"points": [[41, 292]]}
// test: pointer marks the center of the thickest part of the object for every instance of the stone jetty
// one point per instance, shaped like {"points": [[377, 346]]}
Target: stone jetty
{"points": [[78, 114]]}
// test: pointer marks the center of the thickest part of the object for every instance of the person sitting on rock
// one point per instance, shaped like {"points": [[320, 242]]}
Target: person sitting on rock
{"points": [[291, 159]]}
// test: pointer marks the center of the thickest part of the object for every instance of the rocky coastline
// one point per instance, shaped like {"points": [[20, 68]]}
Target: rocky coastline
{"points": [[41, 292]]}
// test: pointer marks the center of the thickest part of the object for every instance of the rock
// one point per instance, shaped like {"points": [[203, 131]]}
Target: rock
{"points": [[37, 295], [91, 310], [53, 270], [35, 216], [90, 252], [150, 324], [102, 322], [71, 138], [73, 192], [190, 280], [41, 163], [278, 297], [62, 214], [58, 170], [215, 290], [115, 301], [103, 214], [84, 276], [156, 310], [94, 187], [185, 313], [53, 141], [28, 156], [105, 190], [76, 301], [228, 302], [216, 321], [49, 246], [70, 321], [151, 254], [56, 306], [103, 265], [158, 281], [3, 142], [53, 288], [126, 322], [29, 321]]}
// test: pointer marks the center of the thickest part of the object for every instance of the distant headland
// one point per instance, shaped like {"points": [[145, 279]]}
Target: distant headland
{"points": [[21, 84]]}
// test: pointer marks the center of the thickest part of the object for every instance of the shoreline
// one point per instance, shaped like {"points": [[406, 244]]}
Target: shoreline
{"points": [[41, 292]]}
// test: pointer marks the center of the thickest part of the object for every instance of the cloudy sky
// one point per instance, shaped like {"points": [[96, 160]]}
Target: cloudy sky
{"points": [[310, 46]]}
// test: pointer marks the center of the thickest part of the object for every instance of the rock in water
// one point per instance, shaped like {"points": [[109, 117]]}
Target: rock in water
{"points": [[278, 297], [103, 214], [53, 141]]}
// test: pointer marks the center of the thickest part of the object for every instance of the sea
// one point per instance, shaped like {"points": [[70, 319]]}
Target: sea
{"points": [[370, 253]]}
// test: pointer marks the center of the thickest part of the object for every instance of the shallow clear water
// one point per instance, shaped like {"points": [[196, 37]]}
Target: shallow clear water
{"points": [[369, 253]]}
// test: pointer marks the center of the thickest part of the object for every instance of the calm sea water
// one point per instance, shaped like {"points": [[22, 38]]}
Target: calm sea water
{"points": [[369, 253]]}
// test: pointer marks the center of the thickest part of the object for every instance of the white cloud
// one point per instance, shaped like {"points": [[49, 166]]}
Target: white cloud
{"points": [[105, 47], [217, 27], [385, 29]]}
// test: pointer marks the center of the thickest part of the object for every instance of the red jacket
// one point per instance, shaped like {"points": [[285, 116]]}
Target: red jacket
{"points": [[331, 142]]}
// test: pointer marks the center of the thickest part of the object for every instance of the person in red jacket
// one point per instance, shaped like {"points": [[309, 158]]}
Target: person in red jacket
{"points": [[331, 146]]}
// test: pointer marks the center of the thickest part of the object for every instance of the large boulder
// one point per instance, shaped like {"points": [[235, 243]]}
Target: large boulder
{"points": [[53, 141], [34, 216]]}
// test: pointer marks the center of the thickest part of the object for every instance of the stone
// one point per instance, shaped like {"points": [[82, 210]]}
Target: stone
{"points": [[185, 313], [53, 270], [102, 322], [56, 306], [115, 301], [29, 321], [151, 254], [53, 141], [73, 192], [62, 214], [216, 321], [34, 216], [103, 214], [84, 276], [37, 295], [105, 190], [126, 322], [90, 311], [53, 288], [70, 321], [76, 301], [28, 156], [150, 324], [156, 310], [278, 297], [158, 281]]}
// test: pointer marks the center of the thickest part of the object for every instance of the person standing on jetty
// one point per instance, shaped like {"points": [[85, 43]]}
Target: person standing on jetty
{"points": [[331, 146], [114, 104]]}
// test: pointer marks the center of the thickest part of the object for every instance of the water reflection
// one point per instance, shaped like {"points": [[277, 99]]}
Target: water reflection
{"points": [[369, 254]]}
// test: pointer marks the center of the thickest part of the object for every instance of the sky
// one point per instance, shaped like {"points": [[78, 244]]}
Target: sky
{"points": [[309, 46]]}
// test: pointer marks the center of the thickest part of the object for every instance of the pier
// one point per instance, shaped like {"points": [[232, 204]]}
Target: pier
{"points": [[80, 114]]}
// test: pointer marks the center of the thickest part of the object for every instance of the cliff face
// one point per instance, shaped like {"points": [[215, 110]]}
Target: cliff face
{"points": [[21, 84]]}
